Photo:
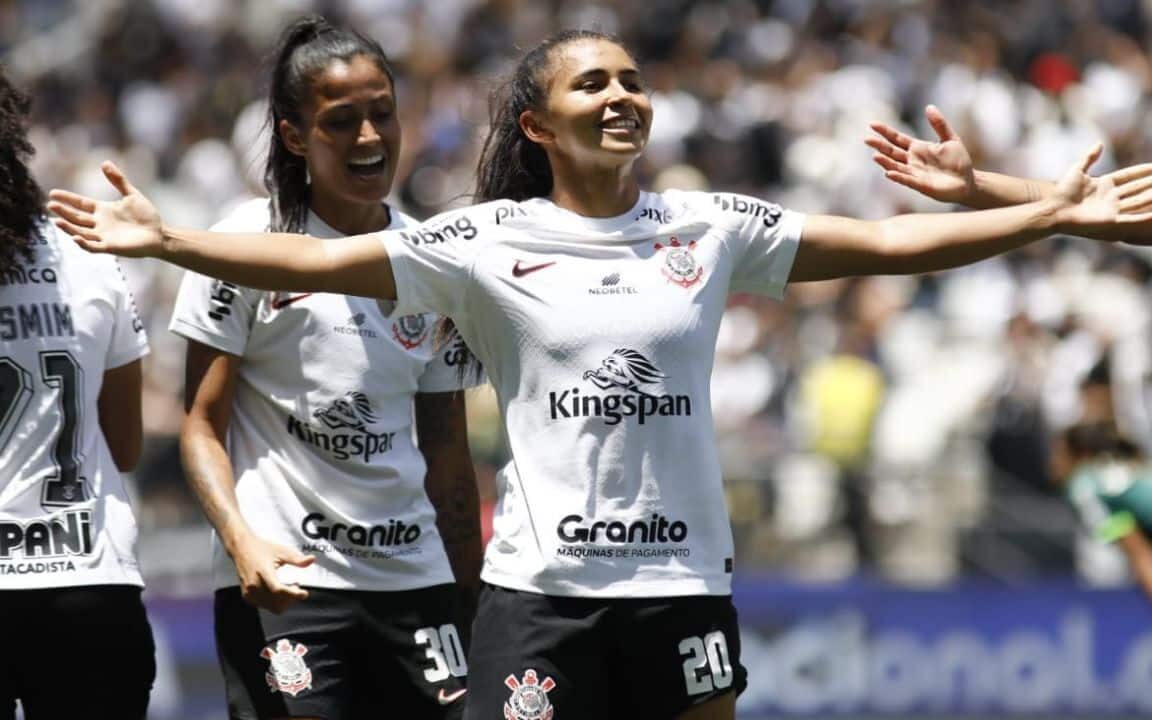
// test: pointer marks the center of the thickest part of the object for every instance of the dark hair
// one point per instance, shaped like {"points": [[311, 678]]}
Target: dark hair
{"points": [[1099, 439], [306, 48], [21, 201], [511, 166]]}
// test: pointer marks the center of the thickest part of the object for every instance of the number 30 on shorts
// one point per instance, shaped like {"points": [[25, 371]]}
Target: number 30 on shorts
{"points": [[706, 664], [443, 647]]}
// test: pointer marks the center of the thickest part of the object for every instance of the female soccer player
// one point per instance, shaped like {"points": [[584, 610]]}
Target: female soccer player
{"points": [[594, 306], [298, 434], [70, 423]]}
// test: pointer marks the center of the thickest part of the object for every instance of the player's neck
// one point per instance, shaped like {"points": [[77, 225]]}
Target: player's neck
{"points": [[352, 219], [599, 193]]}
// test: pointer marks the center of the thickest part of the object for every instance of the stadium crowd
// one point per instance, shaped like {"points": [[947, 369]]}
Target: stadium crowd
{"points": [[897, 426]]}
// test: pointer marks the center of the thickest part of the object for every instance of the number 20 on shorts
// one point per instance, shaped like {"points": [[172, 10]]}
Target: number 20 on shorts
{"points": [[706, 663]]}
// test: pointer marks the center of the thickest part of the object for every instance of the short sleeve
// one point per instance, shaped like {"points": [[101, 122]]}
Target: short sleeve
{"points": [[214, 312], [129, 341], [432, 262], [764, 240]]}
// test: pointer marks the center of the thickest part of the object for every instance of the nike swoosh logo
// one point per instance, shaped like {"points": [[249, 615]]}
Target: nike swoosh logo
{"points": [[518, 271], [447, 698], [283, 302]]}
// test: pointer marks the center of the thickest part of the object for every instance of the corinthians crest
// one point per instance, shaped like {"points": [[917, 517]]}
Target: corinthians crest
{"points": [[410, 330], [680, 265], [287, 671], [529, 700]]}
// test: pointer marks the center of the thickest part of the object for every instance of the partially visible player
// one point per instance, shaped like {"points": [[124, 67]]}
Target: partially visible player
{"points": [[76, 641], [1109, 484], [335, 594]]}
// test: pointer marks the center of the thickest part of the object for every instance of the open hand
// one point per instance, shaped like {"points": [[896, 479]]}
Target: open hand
{"points": [[1108, 206], [941, 170], [256, 565], [129, 226]]}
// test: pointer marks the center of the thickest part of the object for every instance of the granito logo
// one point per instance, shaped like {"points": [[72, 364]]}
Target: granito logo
{"points": [[610, 285], [624, 370], [315, 526], [221, 298], [770, 212], [355, 326], [20, 275], [348, 418], [656, 529], [461, 227], [62, 535]]}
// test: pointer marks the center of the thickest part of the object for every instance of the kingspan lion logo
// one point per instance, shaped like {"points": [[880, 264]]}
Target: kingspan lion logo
{"points": [[351, 411], [625, 369]]}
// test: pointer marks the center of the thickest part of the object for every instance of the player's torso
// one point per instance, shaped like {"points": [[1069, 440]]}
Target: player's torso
{"points": [[56, 472]]}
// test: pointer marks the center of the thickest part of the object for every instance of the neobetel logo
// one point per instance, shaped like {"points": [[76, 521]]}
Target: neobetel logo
{"points": [[28, 276], [315, 526], [628, 371], [355, 326], [656, 529], [461, 227], [769, 212], [610, 285], [348, 419], [67, 534]]}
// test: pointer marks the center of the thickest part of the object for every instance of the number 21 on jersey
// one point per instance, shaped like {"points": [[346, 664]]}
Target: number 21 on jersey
{"points": [[58, 371]]}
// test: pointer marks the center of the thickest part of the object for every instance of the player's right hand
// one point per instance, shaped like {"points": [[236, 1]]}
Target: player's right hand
{"points": [[129, 226], [257, 563]]}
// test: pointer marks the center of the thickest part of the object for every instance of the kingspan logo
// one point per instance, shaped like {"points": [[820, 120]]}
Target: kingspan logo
{"points": [[634, 379], [348, 434]]}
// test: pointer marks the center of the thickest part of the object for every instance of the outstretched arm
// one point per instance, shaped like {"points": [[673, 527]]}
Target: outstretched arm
{"points": [[132, 227], [835, 247], [943, 170]]}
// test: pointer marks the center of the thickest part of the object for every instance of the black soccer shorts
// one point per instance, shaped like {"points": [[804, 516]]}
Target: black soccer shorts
{"points": [[535, 656], [344, 655], [76, 652]]}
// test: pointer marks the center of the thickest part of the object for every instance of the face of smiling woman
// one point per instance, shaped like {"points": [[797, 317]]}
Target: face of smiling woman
{"points": [[350, 138], [598, 110]]}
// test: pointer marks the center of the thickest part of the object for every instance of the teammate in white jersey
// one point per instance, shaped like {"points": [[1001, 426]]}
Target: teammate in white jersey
{"points": [[594, 307], [299, 438], [70, 423]]}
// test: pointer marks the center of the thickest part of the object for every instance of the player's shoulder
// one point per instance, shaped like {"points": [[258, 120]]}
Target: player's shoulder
{"points": [[250, 215], [464, 223]]}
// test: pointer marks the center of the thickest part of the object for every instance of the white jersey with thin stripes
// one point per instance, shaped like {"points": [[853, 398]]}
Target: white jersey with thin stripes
{"points": [[598, 336], [66, 319], [321, 437]]}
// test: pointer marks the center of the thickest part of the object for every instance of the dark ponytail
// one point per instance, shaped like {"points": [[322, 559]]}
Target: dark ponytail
{"points": [[511, 166], [21, 202], [305, 49]]}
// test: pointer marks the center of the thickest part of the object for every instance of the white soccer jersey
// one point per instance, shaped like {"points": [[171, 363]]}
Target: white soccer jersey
{"points": [[598, 336], [65, 319], [321, 438]]}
